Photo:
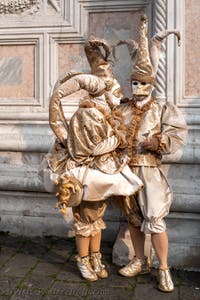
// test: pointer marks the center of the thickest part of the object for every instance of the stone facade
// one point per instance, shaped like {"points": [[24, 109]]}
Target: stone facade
{"points": [[45, 39]]}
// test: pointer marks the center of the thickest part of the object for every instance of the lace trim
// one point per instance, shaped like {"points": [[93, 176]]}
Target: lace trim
{"points": [[87, 230]]}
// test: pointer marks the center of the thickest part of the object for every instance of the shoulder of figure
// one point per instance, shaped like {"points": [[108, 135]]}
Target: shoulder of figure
{"points": [[89, 112]]}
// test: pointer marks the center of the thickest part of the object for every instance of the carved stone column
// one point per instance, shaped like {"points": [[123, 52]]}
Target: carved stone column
{"points": [[160, 25]]}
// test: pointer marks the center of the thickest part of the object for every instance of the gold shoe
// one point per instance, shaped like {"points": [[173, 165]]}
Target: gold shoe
{"points": [[136, 266], [165, 283], [85, 268], [97, 265]]}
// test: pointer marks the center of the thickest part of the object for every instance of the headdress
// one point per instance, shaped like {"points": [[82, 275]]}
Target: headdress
{"points": [[100, 63], [145, 57]]}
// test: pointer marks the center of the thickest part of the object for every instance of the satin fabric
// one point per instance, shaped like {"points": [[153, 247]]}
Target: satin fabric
{"points": [[155, 199]]}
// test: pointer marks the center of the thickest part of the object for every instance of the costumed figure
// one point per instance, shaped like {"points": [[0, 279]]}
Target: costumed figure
{"points": [[89, 159], [154, 128]]}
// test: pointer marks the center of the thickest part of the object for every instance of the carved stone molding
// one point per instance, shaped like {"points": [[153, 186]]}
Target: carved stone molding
{"points": [[55, 5], [70, 25], [25, 87], [189, 104]]}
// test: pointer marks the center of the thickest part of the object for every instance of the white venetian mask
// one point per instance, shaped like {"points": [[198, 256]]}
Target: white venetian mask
{"points": [[142, 89], [114, 95]]}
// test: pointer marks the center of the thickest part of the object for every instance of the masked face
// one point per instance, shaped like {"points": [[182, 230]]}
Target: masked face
{"points": [[114, 95], [141, 89]]}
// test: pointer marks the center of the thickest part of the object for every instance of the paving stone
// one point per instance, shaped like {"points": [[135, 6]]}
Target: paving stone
{"points": [[56, 256], [190, 293], [14, 242], [56, 242], [45, 269], [150, 278], [27, 294], [146, 279], [48, 270], [6, 254], [148, 291], [64, 248], [186, 278], [66, 289], [34, 248], [110, 294], [115, 280], [7, 285], [37, 282], [70, 273], [106, 248], [51, 297], [19, 265]]}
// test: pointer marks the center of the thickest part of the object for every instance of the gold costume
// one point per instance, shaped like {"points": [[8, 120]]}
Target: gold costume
{"points": [[154, 128], [86, 147], [164, 120]]}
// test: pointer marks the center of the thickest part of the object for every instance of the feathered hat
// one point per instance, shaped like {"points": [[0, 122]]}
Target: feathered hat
{"points": [[100, 63], [145, 57]]}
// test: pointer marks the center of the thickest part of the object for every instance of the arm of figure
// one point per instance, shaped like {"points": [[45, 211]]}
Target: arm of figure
{"points": [[174, 130], [106, 146], [56, 118], [151, 144], [88, 82]]}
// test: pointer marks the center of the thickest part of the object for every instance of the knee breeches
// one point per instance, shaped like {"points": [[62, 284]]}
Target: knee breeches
{"points": [[88, 217]]}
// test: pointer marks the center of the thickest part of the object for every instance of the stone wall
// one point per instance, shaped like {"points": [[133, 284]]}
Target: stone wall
{"points": [[45, 39]]}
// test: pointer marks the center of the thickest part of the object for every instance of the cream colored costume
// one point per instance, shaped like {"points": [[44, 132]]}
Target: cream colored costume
{"points": [[154, 128], [147, 119], [87, 149], [165, 121]]}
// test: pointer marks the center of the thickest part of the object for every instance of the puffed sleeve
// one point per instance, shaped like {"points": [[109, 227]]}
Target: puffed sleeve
{"points": [[173, 131]]}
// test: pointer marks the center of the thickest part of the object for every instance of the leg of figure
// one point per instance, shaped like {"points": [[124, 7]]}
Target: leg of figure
{"points": [[88, 224], [83, 236], [160, 244], [83, 258], [139, 264], [138, 239], [82, 243], [95, 244]]}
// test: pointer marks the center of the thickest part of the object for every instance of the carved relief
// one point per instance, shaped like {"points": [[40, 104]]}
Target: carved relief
{"points": [[20, 6]]}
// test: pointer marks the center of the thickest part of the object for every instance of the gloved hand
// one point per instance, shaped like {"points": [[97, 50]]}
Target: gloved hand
{"points": [[151, 144]]}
